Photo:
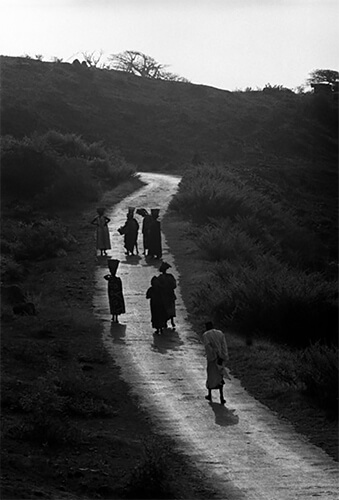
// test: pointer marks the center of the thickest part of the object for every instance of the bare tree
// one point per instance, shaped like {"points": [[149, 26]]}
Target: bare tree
{"points": [[140, 64], [92, 58]]}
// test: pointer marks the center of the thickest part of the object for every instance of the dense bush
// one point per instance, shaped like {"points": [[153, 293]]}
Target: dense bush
{"points": [[25, 171], [293, 308], [318, 369], [74, 186], [56, 170], [72, 145], [43, 239], [267, 267]]}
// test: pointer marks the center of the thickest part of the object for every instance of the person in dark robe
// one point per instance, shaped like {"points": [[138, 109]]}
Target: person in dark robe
{"points": [[167, 284], [147, 220], [154, 235], [158, 311], [115, 292], [130, 231], [103, 242]]}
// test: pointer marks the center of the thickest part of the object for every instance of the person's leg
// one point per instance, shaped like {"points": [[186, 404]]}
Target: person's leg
{"points": [[209, 395], [222, 399], [172, 323]]}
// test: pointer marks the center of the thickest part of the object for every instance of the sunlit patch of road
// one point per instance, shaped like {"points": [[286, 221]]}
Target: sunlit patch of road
{"points": [[243, 448]]}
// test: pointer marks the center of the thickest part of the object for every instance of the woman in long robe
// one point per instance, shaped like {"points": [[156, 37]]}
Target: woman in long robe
{"points": [[103, 242], [158, 311], [167, 284], [130, 232], [147, 221], [115, 292]]}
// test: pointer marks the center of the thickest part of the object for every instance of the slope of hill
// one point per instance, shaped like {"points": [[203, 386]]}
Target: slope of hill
{"points": [[159, 124]]}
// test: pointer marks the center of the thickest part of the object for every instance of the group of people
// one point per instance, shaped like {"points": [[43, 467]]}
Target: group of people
{"points": [[161, 295], [151, 232], [161, 292]]}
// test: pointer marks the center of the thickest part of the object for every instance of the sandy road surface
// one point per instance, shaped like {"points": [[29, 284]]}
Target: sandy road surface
{"points": [[245, 450]]}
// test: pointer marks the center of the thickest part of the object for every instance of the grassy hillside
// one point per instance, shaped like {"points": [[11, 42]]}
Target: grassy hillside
{"points": [[158, 124]]}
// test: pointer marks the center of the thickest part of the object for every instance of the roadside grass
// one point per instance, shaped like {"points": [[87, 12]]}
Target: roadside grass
{"points": [[299, 382], [270, 273], [150, 478]]}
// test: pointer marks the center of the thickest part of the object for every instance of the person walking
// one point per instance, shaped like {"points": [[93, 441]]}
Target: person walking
{"points": [[130, 231], [147, 220], [154, 235], [103, 242], [167, 284], [217, 354], [158, 311], [115, 292]]}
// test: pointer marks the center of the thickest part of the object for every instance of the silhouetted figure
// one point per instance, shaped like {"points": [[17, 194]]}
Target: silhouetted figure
{"points": [[147, 220], [158, 311], [167, 284], [103, 242], [154, 235], [217, 355], [115, 293], [130, 232]]}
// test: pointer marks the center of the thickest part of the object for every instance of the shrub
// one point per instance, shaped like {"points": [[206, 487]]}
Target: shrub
{"points": [[213, 194], [226, 241], [73, 186], [72, 145], [150, 479], [42, 239], [318, 369], [288, 307], [26, 172]]}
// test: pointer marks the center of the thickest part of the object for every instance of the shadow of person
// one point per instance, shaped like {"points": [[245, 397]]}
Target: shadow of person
{"points": [[118, 332], [153, 261], [168, 340], [224, 416], [132, 259], [102, 260]]}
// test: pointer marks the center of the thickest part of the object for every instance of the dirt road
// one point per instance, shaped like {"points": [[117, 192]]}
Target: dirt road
{"points": [[245, 450]]}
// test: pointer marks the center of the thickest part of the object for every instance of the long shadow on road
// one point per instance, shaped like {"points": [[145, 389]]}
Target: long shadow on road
{"points": [[168, 340], [224, 416]]}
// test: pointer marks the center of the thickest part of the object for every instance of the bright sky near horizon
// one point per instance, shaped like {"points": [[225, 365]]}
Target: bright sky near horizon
{"points": [[228, 44]]}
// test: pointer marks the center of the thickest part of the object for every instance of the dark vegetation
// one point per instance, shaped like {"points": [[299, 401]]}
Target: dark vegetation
{"points": [[259, 197]]}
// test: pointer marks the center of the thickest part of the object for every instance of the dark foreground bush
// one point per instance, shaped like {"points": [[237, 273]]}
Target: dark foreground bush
{"points": [[43, 239], [150, 480], [319, 372], [25, 171], [59, 171], [294, 308]]}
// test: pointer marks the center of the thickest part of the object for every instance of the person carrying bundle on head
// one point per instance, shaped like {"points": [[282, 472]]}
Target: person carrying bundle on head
{"points": [[115, 292]]}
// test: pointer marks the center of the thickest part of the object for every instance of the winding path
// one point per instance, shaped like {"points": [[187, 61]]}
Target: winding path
{"points": [[243, 448]]}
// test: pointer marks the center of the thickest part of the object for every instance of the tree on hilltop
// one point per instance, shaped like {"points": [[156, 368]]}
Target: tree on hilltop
{"points": [[140, 64], [92, 59], [323, 76]]}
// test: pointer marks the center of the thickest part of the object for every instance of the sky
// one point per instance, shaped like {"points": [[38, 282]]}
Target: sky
{"points": [[227, 44]]}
